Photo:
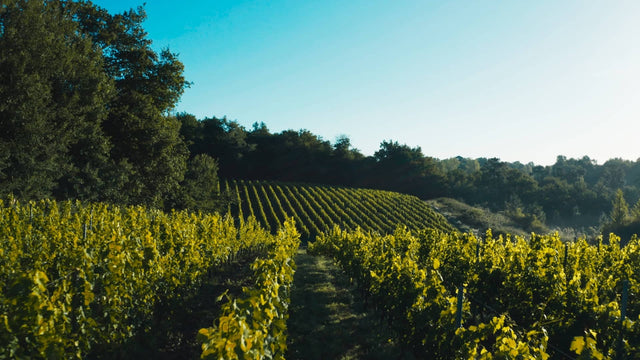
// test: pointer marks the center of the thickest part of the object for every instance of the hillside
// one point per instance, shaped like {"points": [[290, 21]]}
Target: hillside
{"points": [[467, 218], [318, 208]]}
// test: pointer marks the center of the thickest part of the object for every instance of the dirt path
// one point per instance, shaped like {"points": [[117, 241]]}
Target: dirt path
{"points": [[327, 318]]}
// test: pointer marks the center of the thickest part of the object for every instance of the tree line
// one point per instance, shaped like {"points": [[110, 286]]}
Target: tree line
{"points": [[87, 112], [571, 192]]}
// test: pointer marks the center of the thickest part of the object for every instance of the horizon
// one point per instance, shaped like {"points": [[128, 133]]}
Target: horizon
{"points": [[516, 81]]}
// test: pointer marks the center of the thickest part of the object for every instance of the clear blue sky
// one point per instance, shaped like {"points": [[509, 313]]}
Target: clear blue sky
{"points": [[518, 80]]}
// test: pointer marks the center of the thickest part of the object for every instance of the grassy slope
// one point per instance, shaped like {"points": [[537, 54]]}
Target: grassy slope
{"points": [[468, 218]]}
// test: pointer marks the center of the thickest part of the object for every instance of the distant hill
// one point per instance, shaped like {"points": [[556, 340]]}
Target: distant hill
{"points": [[318, 208]]}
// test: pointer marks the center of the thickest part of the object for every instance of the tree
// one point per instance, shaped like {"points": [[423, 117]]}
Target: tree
{"points": [[405, 169], [570, 170], [620, 209], [147, 146], [492, 182], [191, 131], [342, 148], [620, 223], [613, 175], [635, 212], [53, 96], [200, 188], [345, 165], [226, 141]]}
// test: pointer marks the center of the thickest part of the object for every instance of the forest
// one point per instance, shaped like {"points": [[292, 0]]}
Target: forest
{"points": [[87, 111]]}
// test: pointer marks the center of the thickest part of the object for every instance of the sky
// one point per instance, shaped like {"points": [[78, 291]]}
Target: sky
{"points": [[517, 80]]}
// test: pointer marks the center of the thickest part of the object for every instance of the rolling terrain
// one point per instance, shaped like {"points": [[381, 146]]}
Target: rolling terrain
{"points": [[318, 208]]}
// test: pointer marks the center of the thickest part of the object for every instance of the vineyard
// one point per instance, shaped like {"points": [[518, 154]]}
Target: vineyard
{"points": [[317, 209], [449, 296], [78, 281], [82, 280]]}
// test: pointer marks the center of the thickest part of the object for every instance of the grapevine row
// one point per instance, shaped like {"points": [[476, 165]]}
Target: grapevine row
{"points": [[317, 209], [305, 208], [263, 217], [321, 213], [253, 326], [79, 279], [298, 216], [518, 297]]}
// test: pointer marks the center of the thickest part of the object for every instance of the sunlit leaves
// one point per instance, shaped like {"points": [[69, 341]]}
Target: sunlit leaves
{"points": [[81, 278], [523, 297], [254, 325]]}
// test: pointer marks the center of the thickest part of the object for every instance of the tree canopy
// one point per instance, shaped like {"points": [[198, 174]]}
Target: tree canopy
{"points": [[84, 105]]}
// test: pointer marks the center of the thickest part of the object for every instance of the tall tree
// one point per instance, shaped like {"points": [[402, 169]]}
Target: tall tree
{"points": [[146, 141], [53, 96], [619, 209]]}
